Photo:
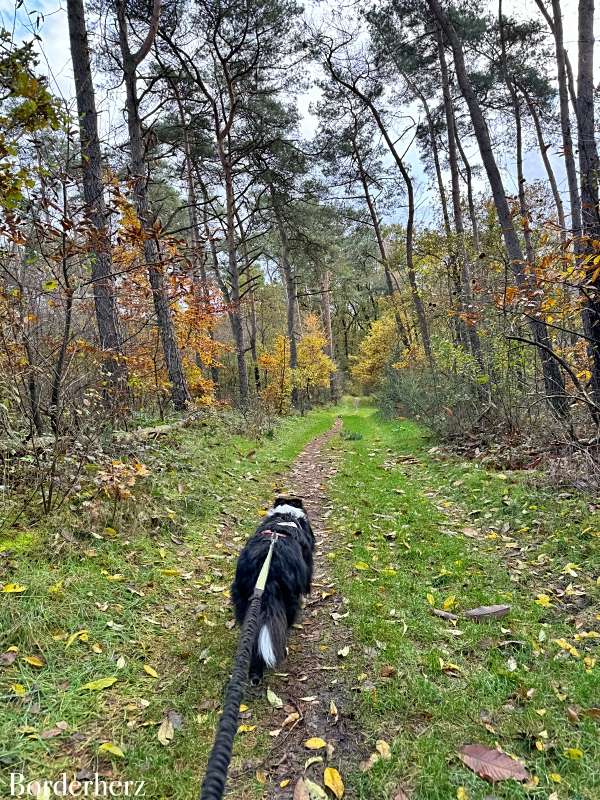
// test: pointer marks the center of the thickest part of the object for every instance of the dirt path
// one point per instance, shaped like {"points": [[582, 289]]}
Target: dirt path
{"points": [[313, 688]]}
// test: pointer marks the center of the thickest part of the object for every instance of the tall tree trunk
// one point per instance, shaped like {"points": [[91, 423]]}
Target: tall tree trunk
{"points": [[235, 313], [162, 310], [326, 317], [364, 180], [290, 288], [560, 210], [469, 182], [410, 219], [93, 192], [553, 380], [556, 26], [589, 175], [466, 293]]}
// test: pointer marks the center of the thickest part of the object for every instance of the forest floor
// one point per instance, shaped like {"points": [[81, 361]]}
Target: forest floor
{"points": [[116, 646]]}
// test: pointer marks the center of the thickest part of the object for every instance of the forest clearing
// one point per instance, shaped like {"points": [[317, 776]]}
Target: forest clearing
{"points": [[299, 399]]}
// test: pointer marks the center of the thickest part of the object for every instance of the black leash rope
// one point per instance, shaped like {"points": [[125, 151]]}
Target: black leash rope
{"points": [[213, 784]]}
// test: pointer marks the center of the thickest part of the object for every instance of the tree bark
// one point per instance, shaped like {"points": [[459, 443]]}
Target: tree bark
{"points": [[290, 288], [410, 219], [556, 26], [326, 317], [401, 330], [553, 380], [560, 209], [131, 61], [588, 172], [93, 192], [466, 294]]}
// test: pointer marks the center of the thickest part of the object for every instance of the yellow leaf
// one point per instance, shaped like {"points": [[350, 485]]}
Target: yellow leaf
{"points": [[171, 572], [76, 635], [333, 709], [449, 602], [96, 648], [284, 783], [246, 728], [243, 708], [18, 689], [14, 588], [574, 753], [261, 776], [461, 793], [430, 599], [555, 777], [150, 671], [56, 588], [543, 600], [100, 683], [315, 743], [362, 565], [35, 661], [333, 780], [109, 747], [383, 749]]}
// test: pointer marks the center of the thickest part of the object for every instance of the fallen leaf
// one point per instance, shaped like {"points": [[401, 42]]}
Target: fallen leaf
{"points": [[315, 792], [35, 661], [543, 600], [13, 588], [246, 728], [18, 689], [291, 718], [101, 683], [315, 743], [150, 671], [8, 658], [312, 760], [574, 753], [333, 780], [261, 776], [77, 635], [166, 732], [387, 671], [370, 762], [383, 749], [284, 783], [344, 651], [113, 749], [333, 709], [300, 790], [362, 565], [273, 699], [461, 793], [492, 764]]}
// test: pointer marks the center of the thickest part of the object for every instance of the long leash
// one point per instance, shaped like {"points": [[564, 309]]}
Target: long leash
{"points": [[215, 778]]}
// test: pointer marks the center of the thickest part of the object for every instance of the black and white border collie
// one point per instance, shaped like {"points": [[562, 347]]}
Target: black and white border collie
{"points": [[289, 578]]}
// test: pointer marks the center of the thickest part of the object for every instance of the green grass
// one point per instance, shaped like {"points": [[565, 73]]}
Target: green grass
{"points": [[148, 586], [149, 583], [405, 514]]}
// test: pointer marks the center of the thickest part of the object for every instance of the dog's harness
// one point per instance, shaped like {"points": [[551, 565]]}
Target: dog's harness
{"points": [[213, 784]]}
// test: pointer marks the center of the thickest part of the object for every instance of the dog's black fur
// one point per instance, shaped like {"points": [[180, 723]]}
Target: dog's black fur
{"points": [[289, 578]]}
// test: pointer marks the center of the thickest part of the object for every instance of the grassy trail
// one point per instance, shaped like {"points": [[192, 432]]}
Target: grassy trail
{"points": [[142, 598], [416, 532]]}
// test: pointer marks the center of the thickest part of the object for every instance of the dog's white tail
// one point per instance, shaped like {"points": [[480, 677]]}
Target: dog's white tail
{"points": [[265, 647]]}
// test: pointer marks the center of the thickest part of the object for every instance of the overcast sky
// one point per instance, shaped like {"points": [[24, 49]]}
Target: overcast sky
{"points": [[55, 61]]}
